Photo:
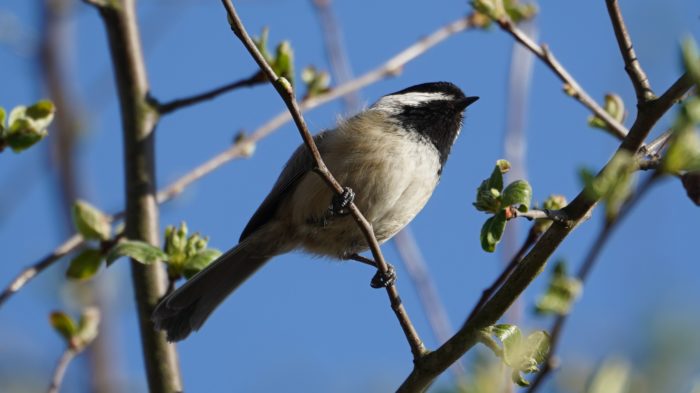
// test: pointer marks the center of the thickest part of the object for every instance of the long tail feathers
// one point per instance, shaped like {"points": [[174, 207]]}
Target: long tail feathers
{"points": [[186, 309]]}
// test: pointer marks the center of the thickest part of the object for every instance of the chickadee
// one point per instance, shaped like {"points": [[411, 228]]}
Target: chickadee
{"points": [[392, 154]]}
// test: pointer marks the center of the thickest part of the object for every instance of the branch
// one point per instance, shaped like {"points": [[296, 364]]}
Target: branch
{"points": [[60, 371], [571, 86], [603, 236], [139, 120], [180, 103], [30, 272], [433, 364], [335, 52], [634, 69], [531, 239], [244, 146], [285, 91]]}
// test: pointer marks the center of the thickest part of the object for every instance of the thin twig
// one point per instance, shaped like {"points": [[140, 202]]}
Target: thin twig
{"points": [[572, 87], [418, 272], [335, 51], [180, 103], [593, 253], [243, 147], [285, 91], [637, 76], [60, 371], [27, 274]]}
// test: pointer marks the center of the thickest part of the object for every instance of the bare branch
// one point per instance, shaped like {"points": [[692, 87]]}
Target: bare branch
{"points": [[571, 86], [638, 77], [243, 147], [284, 89], [180, 103], [139, 119], [27, 274], [60, 371]]}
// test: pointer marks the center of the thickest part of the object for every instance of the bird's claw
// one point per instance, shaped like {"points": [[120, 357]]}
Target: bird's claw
{"points": [[383, 280], [341, 202]]}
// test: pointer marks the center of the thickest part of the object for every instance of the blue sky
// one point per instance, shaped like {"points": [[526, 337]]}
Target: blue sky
{"points": [[304, 324]]}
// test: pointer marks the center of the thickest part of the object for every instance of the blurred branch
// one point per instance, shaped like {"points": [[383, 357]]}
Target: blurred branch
{"points": [[427, 368], [593, 253], [139, 120], [180, 103], [638, 77], [243, 147], [571, 87], [333, 42], [60, 371], [284, 89], [30, 272]]}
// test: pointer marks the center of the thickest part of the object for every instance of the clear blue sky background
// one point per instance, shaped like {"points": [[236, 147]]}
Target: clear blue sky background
{"points": [[308, 325]]}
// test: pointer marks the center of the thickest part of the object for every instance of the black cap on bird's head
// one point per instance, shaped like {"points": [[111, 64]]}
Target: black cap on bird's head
{"points": [[433, 110]]}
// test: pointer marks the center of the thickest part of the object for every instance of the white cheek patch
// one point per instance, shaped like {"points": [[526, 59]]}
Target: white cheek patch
{"points": [[395, 103]]}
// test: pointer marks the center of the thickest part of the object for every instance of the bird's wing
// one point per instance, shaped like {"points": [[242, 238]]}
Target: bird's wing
{"points": [[299, 164]]}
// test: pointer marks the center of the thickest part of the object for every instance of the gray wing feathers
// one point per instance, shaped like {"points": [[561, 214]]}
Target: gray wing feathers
{"points": [[186, 309], [299, 164]]}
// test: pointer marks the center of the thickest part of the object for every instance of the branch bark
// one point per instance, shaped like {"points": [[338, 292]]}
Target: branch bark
{"points": [[637, 76], [139, 120], [571, 86]]}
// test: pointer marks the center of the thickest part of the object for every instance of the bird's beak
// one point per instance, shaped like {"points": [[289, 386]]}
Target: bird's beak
{"points": [[465, 102]]}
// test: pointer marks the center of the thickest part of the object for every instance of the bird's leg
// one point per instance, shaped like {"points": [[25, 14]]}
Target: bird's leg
{"points": [[341, 201], [380, 279]]}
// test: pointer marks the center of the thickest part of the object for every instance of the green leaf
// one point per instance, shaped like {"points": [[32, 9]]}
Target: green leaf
{"points": [[522, 354], [84, 265], [691, 59], [488, 195], [91, 222], [176, 244], [518, 12], [87, 327], [283, 65], [317, 82], [518, 379], [492, 231], [3, 117], [63, 324], [562, 291], [683, 153], [613, 185], [261, 44], [614, 106], [519, 193], [137, 250], [511, 337], [28, 126], [613, 376], [199, 261]]}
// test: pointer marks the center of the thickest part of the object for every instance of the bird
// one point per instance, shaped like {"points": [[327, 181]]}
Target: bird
{"points": [[389, 157]]}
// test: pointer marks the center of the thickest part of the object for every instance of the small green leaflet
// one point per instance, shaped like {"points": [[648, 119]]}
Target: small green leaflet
{"points": [[138, 250]]}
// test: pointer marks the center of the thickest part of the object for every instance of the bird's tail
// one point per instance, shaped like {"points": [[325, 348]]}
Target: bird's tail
{"points": [[186, 309]]}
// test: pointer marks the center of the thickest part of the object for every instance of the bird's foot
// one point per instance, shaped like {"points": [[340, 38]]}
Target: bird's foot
{"points": [[340, 202]]}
